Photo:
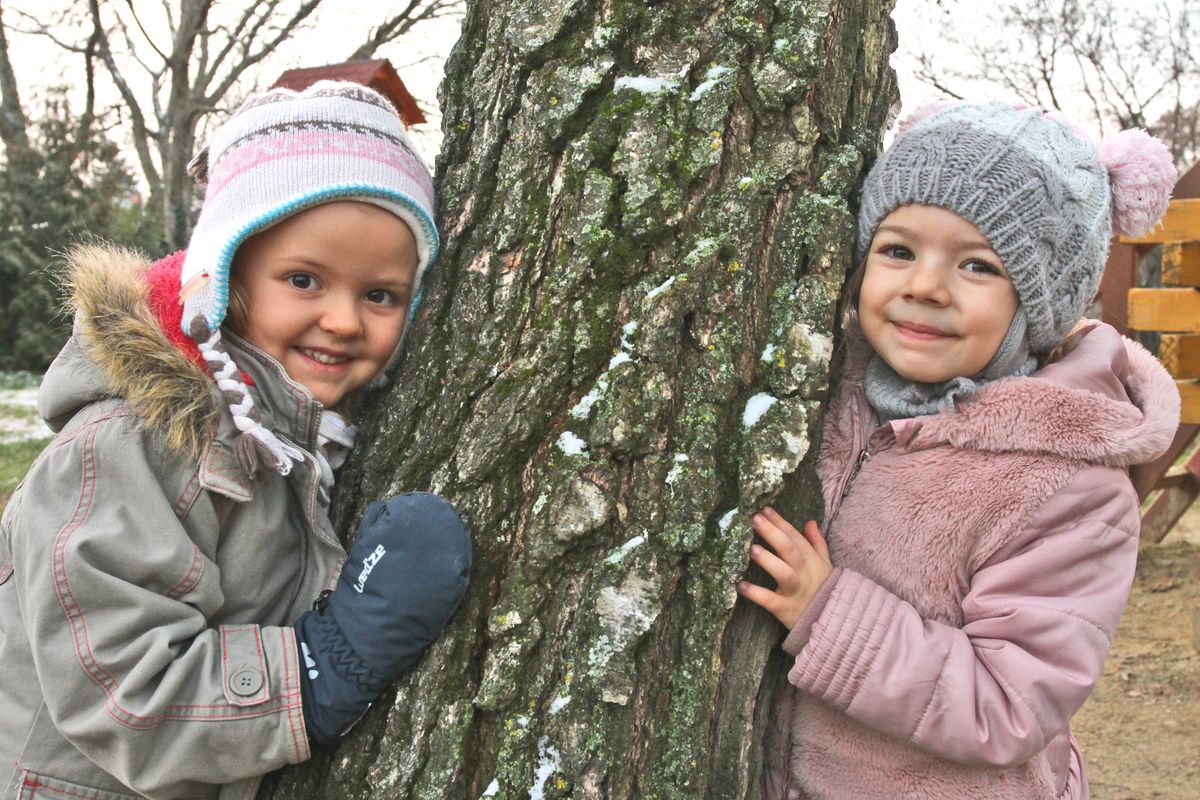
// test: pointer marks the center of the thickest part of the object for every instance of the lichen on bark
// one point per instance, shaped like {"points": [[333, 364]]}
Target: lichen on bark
{"points": [[647, 216]]}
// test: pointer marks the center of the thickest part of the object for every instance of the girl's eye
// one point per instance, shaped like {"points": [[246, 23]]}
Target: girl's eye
{"points": [[982, 268], [381, 296], [302, 280], [896, 251]]}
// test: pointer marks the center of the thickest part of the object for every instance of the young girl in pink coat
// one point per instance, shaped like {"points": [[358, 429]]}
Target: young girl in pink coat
{"points": [[980, 531]]}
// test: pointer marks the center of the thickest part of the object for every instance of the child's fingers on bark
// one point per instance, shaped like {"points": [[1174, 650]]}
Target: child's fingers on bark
{"points": [[760, 596], [787, 542], [784, 574]]}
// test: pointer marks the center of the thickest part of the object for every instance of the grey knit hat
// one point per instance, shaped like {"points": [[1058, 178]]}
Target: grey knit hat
{"points": [[1044, 195]]}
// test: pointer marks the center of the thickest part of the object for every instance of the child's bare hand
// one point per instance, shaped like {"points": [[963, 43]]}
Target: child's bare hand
{"points": [[799, 564]]}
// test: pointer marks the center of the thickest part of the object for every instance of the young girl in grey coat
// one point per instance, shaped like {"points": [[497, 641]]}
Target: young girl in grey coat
{"points": [[177, 615]]}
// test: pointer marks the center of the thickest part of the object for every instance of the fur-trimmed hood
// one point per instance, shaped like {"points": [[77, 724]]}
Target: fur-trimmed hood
{"points": [[124, 346], [1106, 401]]}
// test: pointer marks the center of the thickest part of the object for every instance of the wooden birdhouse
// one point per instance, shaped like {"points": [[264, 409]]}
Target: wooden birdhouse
{"points": [[378, 74]]}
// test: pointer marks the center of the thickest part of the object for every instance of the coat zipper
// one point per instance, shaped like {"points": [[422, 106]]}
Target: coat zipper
{"points": [[858, 465]]}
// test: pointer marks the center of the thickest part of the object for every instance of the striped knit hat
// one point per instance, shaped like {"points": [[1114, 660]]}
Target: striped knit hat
{"points": [[281, 153]]}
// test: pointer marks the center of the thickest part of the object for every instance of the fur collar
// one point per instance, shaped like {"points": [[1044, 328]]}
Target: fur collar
{"points": [[124, 307], [1106, 401]]}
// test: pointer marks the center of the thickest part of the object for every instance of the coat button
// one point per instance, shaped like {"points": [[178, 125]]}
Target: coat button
{"points": [[246, 682]]}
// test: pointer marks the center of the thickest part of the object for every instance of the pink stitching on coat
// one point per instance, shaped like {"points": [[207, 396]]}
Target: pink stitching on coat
{"points": [[180, 508], [75, 616], [119, 411], [287, 685], [252, 788], [153, 722], [72, 609], [191, 578], [264, 692], [36, 784]]}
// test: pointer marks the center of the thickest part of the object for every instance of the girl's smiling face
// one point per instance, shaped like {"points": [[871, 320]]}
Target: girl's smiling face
{"points": [[327, 293], [936, 300]]}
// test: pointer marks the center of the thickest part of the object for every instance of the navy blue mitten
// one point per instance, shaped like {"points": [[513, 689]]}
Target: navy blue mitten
{"points": [[399, 586]]}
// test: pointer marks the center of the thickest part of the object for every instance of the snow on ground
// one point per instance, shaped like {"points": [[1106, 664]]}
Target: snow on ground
{"points": [[19, 419]]}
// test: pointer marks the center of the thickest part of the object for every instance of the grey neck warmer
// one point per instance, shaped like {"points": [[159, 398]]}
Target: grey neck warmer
{"points": [[894, 397]]}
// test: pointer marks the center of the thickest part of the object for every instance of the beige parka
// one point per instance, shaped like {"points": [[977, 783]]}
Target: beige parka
{"points": [[147, 583]]}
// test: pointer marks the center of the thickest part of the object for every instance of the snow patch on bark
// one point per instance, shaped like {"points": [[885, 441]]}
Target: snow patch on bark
{"points": [[571, 444], [756, 406], [644, 84], [662, 287], [584, 406], [820, 346], [619, 359], [619, 554], [710, 80], [548, 764]]}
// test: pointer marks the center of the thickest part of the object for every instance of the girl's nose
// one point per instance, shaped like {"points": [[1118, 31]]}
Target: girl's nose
{"points": [[927, 284], [340, 317]]}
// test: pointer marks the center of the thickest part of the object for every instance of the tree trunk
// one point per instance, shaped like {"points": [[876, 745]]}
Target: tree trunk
{"points": [[622, 353], [14, 126]]}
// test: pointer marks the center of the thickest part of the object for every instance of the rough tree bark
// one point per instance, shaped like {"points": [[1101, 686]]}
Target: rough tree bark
{"points": [[623, 352]]}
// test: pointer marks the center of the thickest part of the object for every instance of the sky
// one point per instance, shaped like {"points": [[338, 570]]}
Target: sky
{"points": [[333, 32], [339, 25]]}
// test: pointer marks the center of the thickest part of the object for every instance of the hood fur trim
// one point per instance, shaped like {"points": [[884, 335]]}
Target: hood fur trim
{"points": [[1040, 416], [109, 293]]}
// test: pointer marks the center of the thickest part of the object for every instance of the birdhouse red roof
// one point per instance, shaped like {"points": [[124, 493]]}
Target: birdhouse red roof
{"points": [[378, 74]]}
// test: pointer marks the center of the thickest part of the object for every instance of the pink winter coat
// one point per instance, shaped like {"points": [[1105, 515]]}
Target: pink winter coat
{"points": [[982, 561]]}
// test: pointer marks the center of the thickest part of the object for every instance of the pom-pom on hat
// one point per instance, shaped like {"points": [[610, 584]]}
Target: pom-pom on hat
{"points": [[1041, 192], [281, 153]]}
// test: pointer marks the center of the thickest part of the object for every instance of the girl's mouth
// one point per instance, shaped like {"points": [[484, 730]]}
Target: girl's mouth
{"points": [[322, 357], [918, 331]]}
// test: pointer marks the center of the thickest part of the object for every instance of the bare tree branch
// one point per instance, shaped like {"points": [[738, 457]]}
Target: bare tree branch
{"points": [[142, 135], [264, 50], [40, 28], [133, 13], [400, 23], [13, 123], [238, 34], [927, 73], [1111, 60], [88, 117], [168, 85]]}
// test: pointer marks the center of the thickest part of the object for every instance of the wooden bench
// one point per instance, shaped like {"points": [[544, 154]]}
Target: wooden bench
{"points": [[1172, 484]]}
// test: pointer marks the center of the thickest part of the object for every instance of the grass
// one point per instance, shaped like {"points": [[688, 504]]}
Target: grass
{"points": [[15, 458], [19, 380], [17, 420], [25, 415]]}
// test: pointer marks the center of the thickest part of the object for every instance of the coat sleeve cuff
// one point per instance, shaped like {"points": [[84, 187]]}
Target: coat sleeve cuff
{"points": [[802, 631]]}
